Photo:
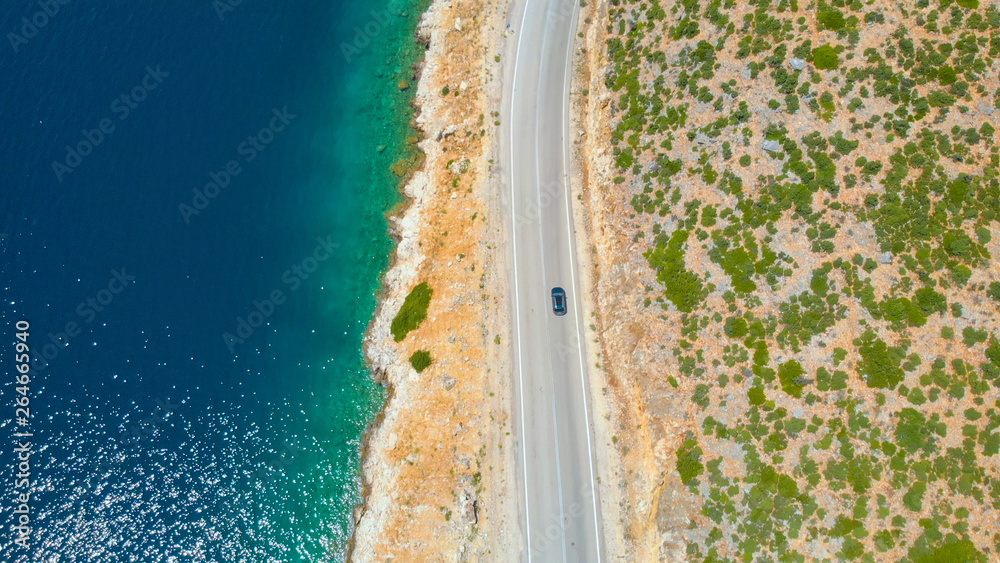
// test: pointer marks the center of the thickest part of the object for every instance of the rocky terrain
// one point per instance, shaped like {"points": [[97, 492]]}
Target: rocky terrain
{"points": [[793, 212]]}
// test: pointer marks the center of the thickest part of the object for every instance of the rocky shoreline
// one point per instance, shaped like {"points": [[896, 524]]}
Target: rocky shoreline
{"points": [[437, 463]]}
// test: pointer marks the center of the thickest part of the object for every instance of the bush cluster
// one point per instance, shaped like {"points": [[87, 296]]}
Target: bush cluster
{"points": [[413, 312]]}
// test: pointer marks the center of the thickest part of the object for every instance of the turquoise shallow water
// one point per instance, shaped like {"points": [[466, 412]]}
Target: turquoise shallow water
{"points": [[158, 437]]}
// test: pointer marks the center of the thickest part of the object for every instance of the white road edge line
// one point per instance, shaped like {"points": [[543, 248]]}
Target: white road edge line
{"points": [[517, 305], [569, 225]]}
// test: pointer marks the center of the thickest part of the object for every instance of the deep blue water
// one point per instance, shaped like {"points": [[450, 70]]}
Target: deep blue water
{"points": [[157, 437]]}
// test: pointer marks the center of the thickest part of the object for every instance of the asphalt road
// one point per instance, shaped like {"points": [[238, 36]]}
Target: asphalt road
{"points": [[560, 512]]}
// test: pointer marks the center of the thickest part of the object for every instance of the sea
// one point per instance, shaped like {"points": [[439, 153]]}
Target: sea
{"points": [[193, 202]]}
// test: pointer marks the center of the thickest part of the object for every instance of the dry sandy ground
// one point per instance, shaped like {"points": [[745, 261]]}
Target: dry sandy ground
{"points": [[439, 473]]}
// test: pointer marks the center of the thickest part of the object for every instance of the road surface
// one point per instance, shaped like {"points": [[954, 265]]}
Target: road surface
{"points": [[560, 512]]}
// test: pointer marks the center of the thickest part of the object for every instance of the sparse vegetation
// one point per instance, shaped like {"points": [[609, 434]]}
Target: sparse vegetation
{"points": [[825, 58], [420, 360], [413, 312], [815, 190]]}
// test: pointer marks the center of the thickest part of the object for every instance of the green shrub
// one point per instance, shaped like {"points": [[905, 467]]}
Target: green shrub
{"points": [[413, 312], [709, 216], [961, 274], [735, 327], [913, 433], [872, 18], [689, 462], [839, 354], [420, 360], [994, 291], [880, 364], [971, 4], [947, 75], [851, 549], [929, 301], [738, 264], [686, 28], [901, 311], [789, 373], [954, 551], [700, 396], [958, 244], [884, 541], [842, 145], [792, 103], [761, 354], [971, 336], [825, 58], [831, 19], [983, 235], [939, 99], [683, 288], [913, 499], [826, 170]]}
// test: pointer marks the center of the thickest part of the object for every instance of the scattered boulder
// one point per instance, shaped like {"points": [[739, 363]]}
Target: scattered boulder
{"points": [[447, 132], [448, 382], [885, 257], [403, 85], [400, 168], [797, 64], [470, 507], [771, 145]]}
